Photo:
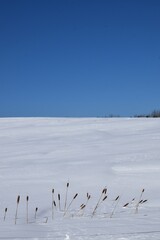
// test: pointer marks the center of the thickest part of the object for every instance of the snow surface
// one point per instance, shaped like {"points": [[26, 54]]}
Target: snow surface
{"points": [[41, 154]]}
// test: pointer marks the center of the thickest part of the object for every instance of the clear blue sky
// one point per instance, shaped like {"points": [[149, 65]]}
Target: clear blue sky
{"points": [[79, 57]]}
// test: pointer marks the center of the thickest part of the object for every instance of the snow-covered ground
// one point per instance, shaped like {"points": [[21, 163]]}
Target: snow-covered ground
{"points": [[38, 155]]}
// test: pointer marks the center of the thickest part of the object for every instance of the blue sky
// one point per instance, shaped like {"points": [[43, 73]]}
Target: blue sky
{"points": [[79, 58]]}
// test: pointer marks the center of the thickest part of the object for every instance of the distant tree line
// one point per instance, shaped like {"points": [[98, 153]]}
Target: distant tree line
{"points": [[153, 114]]}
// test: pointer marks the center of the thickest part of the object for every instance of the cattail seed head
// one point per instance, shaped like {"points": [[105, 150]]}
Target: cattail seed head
{"points": [[52, 190], [67, 184], [142, 190], [36, 209], [104, 198], [83, 206], [27, 198], [6, 210], [125, 205], [116, 198], [104, 190], [59, 197], [54, 203], [75, 195], [18, 199]]}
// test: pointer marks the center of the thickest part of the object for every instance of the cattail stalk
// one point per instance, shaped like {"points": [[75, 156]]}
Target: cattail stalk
{"points": [[104, 191], [88, 198], [5, 212], [70, 203], [65, 204], [27, 199], [18, 200], [36, 210], [83, 206], [52, 204], [117, 199], [137, 205]]}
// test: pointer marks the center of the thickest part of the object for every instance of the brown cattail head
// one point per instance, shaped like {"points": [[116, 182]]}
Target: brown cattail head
{"points": [[141, 201], [18, 199], [145, 200], [104, 198], [27, 198], [104, 190], [89, 196], [52, 190], [116, 198], [67, 184], [6, 210], [125, 205], [142, 190], [83, 206], [54, 203], [59, 197], [75, 195], [36, 209]]}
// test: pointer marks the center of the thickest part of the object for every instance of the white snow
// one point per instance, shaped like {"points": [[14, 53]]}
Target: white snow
{"points": [[41, 154]]}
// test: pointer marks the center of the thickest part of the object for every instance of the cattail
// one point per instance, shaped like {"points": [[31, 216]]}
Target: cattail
{"points": [[27, 199], [59, 203], [145, 200], [125, 205], [52, 203], [75, 196], [104, 198], [65, 204], [117, 199], [18, 200], [104, 191], [36, 210], [137, 205], [70, 204], [83, 206], [132, 202], [5, 212]]}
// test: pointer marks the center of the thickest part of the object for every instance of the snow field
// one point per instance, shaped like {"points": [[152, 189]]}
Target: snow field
{"points": [[39, 154]]}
